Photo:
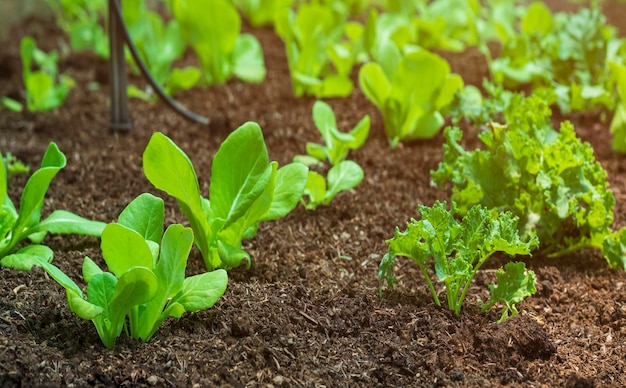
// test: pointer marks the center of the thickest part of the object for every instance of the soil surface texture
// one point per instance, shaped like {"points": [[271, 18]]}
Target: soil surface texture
{"points": [[307, 312]]}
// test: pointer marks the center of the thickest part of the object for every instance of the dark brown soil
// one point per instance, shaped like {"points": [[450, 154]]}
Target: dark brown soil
{"points": [[308, 312]]}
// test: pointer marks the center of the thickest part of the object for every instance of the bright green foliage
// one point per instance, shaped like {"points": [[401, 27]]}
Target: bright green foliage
{"points": [[11, 104], [245, 189], [321, 49], [81, 20], [412, 95], [159, 44], [16, 226], [337, 143], [448, 24], [45, 88], [566, 52], [261, 12], [147, 281], [550, 180], [14, 166], [459, 249], [212, 28], [514, 284], [343, 174], [618, 124]]}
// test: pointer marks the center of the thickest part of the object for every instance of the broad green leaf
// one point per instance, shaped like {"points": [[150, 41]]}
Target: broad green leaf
{"points": [[81, 307], [324, 119], [169, 169], [36, 187], [90, 269], [27, 257], [335, 85], [374, 84], [123, 249], [183, 79], [315, 189], [136, 286], [249, 64], [170, 269], [236, 185], [202, 291], [288, 189], [344, 176], [537, 20], [64, 222], [145, 215]]}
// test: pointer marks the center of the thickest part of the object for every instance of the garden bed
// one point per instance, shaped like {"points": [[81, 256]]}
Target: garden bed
{"points": [[307, 313]]}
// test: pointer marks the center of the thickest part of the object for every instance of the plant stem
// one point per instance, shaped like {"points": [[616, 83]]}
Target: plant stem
{"points": [[430, 284]]}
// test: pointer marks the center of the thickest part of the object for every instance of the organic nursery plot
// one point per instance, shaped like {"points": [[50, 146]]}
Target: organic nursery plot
{"points": [[307, 312]]}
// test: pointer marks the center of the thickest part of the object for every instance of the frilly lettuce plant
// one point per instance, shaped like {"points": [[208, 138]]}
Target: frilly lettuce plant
{"points": [[245, 190], [549, 179], [459, 249], [147, 282], [17, 225]]}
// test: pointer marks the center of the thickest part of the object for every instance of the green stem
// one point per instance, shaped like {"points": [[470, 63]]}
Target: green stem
{"points": [[573, 248], [430, 284]]}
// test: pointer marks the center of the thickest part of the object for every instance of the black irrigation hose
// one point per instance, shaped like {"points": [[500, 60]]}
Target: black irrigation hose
{"points": [[178, 107]]}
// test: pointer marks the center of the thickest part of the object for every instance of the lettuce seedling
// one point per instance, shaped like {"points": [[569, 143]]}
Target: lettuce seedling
{"points": [[337, 143], [160, 44], [81, 20], [212, 28], [412, 90], [261, 12], [549, 179], [313, 41], [245, 190], [45, 88], [16, 226], [147, 281], [344, 174], [459, 249]]}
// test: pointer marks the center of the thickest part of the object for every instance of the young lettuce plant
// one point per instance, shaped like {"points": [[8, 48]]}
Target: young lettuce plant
{"points": [[618, 124], [245, 190], [147, 281], [549, 179], [313, 41], [411, 90], [45, 89], [343, 174], [16, 226], [459, 249], [212, 28], [261, 12], [159, 44]]}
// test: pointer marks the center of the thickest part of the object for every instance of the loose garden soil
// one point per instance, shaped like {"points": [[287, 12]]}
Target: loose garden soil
{"points": [[307, 312]]}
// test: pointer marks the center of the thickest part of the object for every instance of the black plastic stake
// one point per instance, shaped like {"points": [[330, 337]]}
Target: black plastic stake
{"points": [[120, 111]]}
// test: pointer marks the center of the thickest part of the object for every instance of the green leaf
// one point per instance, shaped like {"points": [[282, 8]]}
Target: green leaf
{"points": [[344, 176], [248, 60], [58, 275], [374, 84], [145, 215], [169, 169], [514, 284], [123, 249], [202, 291], [315, 190], [288, 189], [64, 222], [235, 186], [90, 269], [11, 104], [36, 187]]}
